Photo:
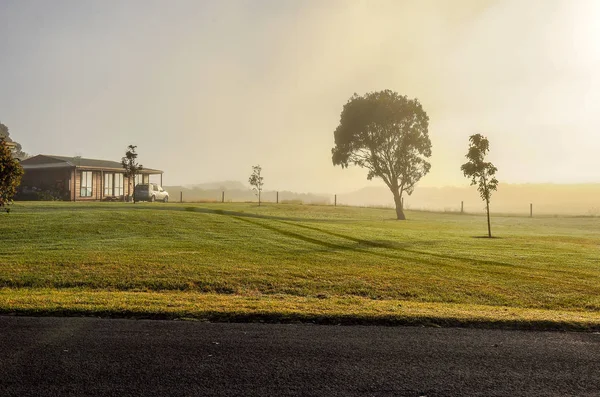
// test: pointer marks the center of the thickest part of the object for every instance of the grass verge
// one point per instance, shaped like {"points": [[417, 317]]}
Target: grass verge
{"points": [[287, 309]]}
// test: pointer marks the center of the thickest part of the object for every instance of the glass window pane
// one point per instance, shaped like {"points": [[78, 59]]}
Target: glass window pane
{"points": [[108, 184], [86, 184], [118, 184]]}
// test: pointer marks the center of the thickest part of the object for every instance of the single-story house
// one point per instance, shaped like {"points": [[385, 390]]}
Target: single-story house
{"points": [[80, 179]]}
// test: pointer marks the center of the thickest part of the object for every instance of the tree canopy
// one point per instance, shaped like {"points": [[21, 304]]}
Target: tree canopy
{"points": [[386, 133], [10, 174], [18, 150]]}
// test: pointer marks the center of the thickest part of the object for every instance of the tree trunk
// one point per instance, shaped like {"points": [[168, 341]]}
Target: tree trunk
{"points": [[399, 210], [259, 198], [487, 204]]}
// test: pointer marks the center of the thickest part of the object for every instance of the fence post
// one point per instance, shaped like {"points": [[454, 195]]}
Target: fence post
{"points": [[335, 200], [223, 197], [462, 207], [531, 210], [181, 197], [277, 197]]}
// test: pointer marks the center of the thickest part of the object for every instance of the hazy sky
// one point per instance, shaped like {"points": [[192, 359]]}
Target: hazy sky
{"points": [[207, 89]]}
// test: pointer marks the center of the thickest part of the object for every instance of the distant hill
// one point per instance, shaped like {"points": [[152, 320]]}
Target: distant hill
{"points": [[576, 199], [238, 192], [222, 185]]}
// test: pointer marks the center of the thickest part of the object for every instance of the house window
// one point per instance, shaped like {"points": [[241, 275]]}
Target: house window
{"points": [[108, 184], [118, 184], [139, 178], [113, 184], [86, 184]]}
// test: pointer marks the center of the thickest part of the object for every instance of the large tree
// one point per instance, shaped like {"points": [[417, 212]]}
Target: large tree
{"points": [[387, 134], [10, 175], [131, 167], [18, 149], [482, 173]]}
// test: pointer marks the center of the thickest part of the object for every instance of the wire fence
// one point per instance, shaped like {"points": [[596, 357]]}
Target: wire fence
{"points": [[522, 208]]}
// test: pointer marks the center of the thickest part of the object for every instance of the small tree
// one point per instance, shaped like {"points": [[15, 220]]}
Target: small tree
{"points": [[10, 175], [387, 134], [256, 181], [481, 172], [131, 167]]}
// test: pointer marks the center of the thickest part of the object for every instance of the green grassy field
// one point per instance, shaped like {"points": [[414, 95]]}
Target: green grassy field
{"points": [[298, 262]]}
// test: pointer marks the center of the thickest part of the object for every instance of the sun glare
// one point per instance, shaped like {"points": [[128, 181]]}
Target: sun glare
{"points": [[586, 37]]}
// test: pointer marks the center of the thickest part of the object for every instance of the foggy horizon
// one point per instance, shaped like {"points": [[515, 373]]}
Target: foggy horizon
{"points": [[208, 89]]}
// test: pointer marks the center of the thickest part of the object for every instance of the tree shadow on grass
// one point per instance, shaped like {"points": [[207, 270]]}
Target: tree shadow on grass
{"points": [[365, 247], [330, 246], [396, 249], [362, 245], [406, 247], [242, 214], [368, 243], [488, 237]]}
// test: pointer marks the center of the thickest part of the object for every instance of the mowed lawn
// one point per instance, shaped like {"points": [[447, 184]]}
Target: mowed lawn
{"points": [[298, 262]]}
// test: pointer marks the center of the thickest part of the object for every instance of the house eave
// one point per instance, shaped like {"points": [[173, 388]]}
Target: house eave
{"points": [[44, 166], [84, 168], [143, 171]]}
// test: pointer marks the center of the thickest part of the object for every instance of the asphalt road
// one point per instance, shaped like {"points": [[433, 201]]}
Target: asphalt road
{"points": [[112, 357]]}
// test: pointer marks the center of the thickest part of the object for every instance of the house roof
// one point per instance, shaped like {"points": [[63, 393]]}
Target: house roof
{"points": [[43, 161]]}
